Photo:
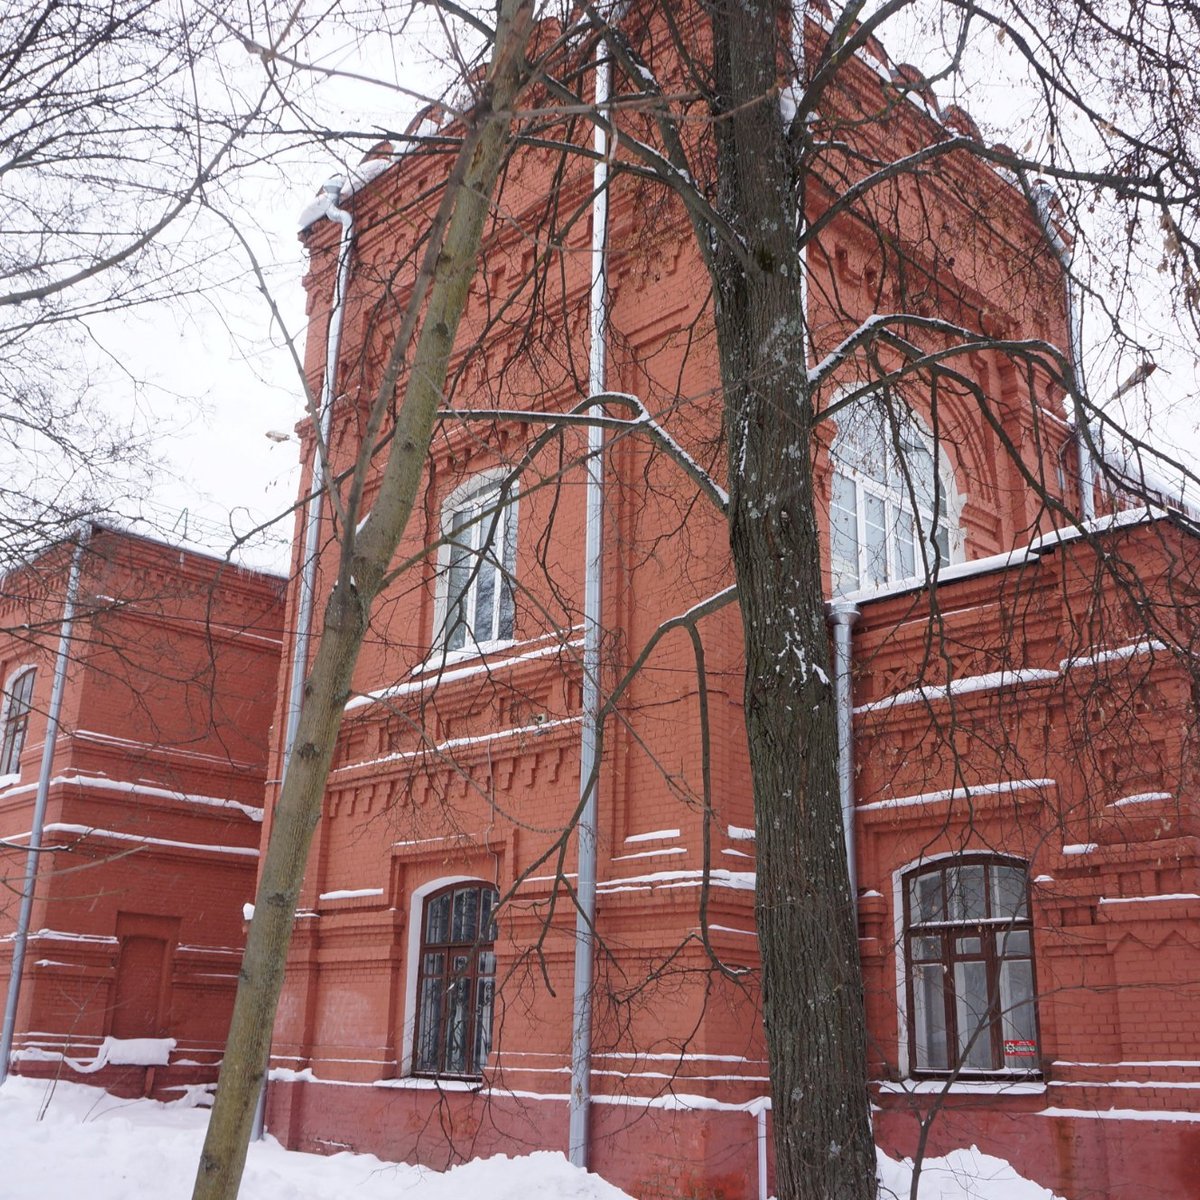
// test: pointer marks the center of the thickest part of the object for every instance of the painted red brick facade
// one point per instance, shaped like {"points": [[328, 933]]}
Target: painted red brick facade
{"points": [[154, 805], [1042, 719]]}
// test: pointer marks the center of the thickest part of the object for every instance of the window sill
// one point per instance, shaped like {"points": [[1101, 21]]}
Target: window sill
{"points": [[434, 1083], [439, 660], [997, 1085]]}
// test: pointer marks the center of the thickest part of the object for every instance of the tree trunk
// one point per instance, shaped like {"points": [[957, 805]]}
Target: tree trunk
{"points": [[811, 982], [486, 142]]}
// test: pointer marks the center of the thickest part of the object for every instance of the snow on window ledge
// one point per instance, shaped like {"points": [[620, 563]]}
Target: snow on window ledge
{"points": [[994, 1086]]}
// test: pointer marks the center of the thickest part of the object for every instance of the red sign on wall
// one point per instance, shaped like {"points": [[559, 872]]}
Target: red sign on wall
{"points": [[1019, 1049]]}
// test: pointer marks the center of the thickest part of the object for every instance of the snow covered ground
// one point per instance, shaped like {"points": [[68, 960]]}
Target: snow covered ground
{"points": [[63, 1141]]}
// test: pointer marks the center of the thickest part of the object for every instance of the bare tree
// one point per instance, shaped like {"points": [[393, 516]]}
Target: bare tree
{"points": [[119, 123], [771, 133], [425, 347]]}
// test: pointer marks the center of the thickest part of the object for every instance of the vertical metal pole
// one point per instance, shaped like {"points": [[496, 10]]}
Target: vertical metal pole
{"points": [[21, 936], [842, 616], [312, 516], [585, 916], [760, 1131]]}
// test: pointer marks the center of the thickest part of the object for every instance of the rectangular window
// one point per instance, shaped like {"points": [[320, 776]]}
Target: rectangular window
{"points": [[476, 582], [969, 965], [456, 981], [18, 700]]}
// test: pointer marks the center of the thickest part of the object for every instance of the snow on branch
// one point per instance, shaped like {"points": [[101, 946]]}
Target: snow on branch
{"points": [[641, 421]]}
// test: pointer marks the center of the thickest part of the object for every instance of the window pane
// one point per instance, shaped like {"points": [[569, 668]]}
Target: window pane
{"points": [[1009, 893], [1016, 1014], [906, 555], [972, 1015], [929, 1017], [22, 696], [875, 532], [10, 757], [925, 898], [918, 462], [505, 618], [1015, 944], [483, 625], [437, 919], [466, 915], [457, 1016], [872, 440], [485, 994], [941, 541], [926, 948], [489, 533], [968, 945], [843, 534], [457, 589], [964, 893], [487, 905], [429, 1024]]}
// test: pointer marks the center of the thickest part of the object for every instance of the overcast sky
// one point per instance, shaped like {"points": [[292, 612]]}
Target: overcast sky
{"points": [[212, 375]]}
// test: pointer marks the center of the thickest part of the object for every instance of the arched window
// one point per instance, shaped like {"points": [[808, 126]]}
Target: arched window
{"points": [[475, 593], [969, 963], [885, 502], [18, 700], [456, 981]]}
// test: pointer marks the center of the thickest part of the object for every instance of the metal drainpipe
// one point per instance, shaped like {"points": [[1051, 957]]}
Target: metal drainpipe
{"points": [[21, 937], [1043, 199], [760, 1138], [842, 616], [312, 516], [581, 1011]]}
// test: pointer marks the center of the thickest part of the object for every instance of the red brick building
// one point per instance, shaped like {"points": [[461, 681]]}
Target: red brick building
{"points": [[1022, 764], [153, 803]]}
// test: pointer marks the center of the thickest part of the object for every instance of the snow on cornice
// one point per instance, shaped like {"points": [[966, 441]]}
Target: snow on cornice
{"points": [[1018, 557]]}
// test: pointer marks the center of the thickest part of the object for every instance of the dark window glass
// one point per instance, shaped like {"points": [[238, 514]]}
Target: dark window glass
{"points": [[456, 981], [969, 965]]}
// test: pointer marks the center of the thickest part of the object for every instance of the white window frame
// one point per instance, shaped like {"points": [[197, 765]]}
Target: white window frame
{"points": [[10, 685], [895, 497], [476, 492]]}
